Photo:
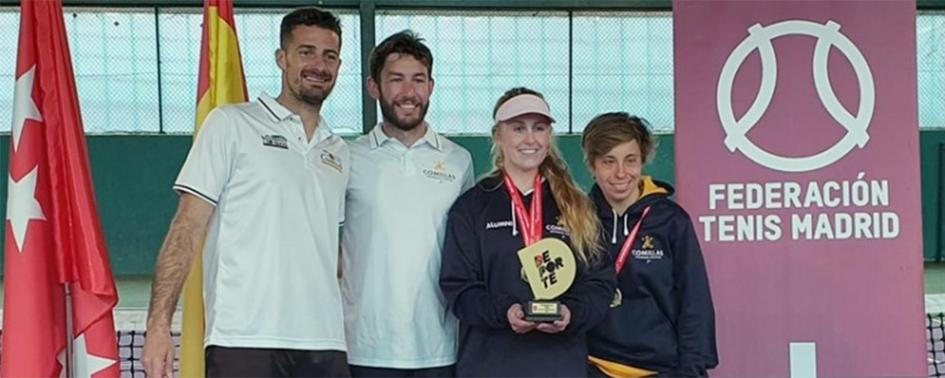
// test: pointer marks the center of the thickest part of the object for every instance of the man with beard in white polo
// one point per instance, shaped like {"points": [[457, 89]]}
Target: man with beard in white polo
{"points": [[404, 178]]}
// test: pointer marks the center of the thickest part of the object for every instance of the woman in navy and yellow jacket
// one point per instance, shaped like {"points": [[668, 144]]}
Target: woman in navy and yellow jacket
{"points": [[661, 319], [481, 276]]}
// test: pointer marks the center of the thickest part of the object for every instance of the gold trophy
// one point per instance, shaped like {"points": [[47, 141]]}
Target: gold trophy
{"points": [[549, 268]]}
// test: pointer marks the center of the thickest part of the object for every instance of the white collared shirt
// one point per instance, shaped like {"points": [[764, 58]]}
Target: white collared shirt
{"points": [[397, 202], [271, 250]]}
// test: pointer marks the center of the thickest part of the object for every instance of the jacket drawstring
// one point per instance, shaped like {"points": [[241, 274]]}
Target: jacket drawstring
{"points": [[613, 239], [514, 227], [625, 216]]}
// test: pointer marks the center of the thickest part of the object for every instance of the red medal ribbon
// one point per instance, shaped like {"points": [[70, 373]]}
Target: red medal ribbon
{"points": [[625, 249], [531, 224]]}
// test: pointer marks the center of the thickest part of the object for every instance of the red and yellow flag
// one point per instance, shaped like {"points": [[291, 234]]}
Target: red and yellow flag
{"points": [[220, 82]]}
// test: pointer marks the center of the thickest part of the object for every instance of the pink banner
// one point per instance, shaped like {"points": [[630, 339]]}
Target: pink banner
{"points": [[797, 157]]}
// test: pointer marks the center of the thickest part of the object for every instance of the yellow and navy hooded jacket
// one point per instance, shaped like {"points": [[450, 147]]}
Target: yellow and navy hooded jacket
{"points": [[665, 321], [481, 277]]}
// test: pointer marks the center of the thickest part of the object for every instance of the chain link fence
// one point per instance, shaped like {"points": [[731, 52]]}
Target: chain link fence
{"points": [[136, 68], [930, 46]]}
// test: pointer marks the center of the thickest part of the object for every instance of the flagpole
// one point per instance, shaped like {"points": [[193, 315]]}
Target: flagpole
{"points": [[69, 360]]}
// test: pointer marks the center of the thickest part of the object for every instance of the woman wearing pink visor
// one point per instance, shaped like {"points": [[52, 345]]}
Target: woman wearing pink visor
{"points": [[527, 198]]}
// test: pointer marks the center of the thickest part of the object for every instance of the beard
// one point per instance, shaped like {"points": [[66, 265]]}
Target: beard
{"points": [[390, 115], [314, 96]]}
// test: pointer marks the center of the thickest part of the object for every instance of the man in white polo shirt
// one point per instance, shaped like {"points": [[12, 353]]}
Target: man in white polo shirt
{"points": [[264, 186], [404, 178]]}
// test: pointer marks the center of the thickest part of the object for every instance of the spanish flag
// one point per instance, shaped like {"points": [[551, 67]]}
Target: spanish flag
{"points": [[220, 82]]}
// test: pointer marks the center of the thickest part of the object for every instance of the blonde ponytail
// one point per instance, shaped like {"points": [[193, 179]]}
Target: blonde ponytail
{"points": [[577, 212]]}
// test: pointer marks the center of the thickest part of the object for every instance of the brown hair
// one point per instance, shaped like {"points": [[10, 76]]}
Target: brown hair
{"points": [[577, 212], [406, 42], [610, 130], [308, 16]]}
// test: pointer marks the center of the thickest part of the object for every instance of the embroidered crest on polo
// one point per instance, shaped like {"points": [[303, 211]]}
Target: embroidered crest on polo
{"points": [[759, 38], [332, 160], [439, 172]]}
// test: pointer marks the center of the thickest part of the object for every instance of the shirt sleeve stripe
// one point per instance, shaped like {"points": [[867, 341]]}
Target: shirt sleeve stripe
{"points": [[184, 188]]}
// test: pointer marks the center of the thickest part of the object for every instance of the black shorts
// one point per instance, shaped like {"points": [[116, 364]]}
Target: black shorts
{"points": [[260, 362], [375, 372]]}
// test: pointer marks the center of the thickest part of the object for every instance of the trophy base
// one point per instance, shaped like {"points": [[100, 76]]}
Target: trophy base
{"points": [[543, 311]]}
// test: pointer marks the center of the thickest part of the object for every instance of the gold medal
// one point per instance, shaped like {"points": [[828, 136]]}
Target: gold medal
{"points": [[618, 299]]}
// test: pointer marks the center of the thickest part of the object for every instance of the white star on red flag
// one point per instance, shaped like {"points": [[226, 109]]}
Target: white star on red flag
{"points": [[61, 359], [22, 206], [87, 364], [23, 106]]}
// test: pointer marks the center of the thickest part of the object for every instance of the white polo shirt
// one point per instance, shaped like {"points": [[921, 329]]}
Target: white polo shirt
{"points": [[397, 204], [271, 253]]}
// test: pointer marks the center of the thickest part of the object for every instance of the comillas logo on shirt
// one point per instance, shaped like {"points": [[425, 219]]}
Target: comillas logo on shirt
{"points": [[331, 160], [558, 228], [278, 141], [438, 172], [648, 250]]}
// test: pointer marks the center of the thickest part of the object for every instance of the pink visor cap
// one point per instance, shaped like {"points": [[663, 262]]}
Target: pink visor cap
{"points": [[523, 104]]}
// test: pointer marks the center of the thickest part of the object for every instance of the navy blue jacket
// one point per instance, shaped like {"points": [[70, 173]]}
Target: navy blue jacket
{"points": [[666, 321], [481, 278]]}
